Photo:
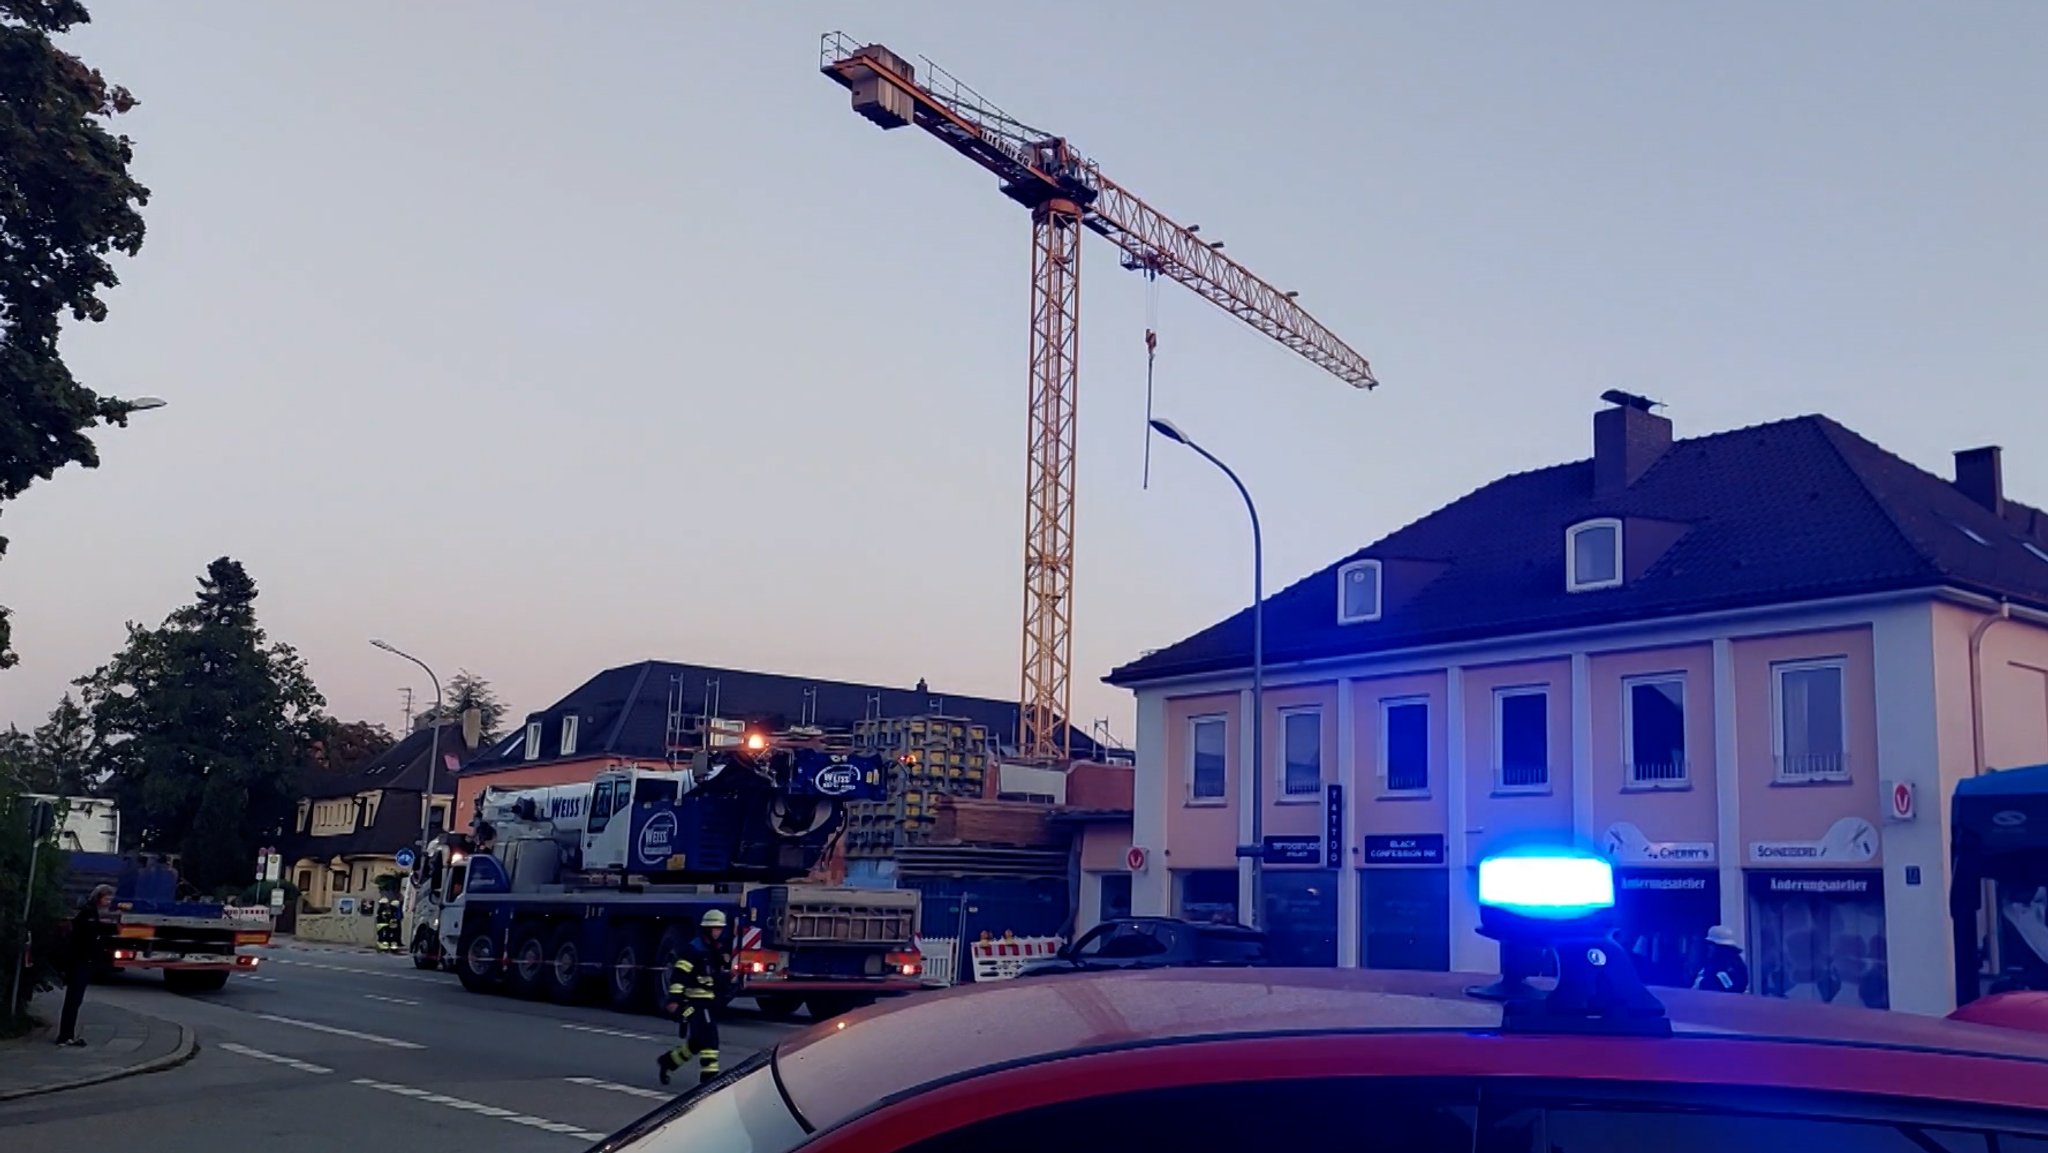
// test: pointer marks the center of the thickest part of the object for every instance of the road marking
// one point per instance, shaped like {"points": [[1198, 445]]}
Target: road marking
{"points": [[259, 980], [392, 1000], [614, 1086], [340, 1032], [615, 1033], [352, 969], [477, 1107], [289, 1062]]}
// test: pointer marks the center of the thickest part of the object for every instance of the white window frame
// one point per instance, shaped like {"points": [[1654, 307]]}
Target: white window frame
{"points": [[1194, 749], [1778, 671], [1379, 591], [1571, 555], [1500, 698], [1387, 706], [1281, 791], [569, 726], [533, 740], [1628, 731]]}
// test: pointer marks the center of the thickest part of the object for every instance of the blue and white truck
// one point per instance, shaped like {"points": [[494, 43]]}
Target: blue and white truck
{"points": [[581, 891]]}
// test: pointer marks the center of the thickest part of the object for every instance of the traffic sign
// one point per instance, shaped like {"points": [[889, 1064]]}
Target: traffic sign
{"points": [[405, 858], [1135, 859], [1901, 804]]}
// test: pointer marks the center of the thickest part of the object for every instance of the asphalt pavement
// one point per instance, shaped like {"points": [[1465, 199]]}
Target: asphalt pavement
{"points": [[351, 1052]]}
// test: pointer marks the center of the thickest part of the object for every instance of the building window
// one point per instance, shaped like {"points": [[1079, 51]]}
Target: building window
{"points": [[1521, 739], [1654, 731], [1593, 555], [1358, 592], [1404, 745], [1811, 711], [1301, 773], [1206, 760], [533, 740], [569, 736]]}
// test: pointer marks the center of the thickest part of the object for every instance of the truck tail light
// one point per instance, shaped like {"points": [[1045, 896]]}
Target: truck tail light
{"points": [[246, 961], [760, 962], [908, 962], [124, 954]]}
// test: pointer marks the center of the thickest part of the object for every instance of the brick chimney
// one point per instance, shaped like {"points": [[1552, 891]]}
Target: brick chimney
{"points": [[1627, 439], [1979, 477]]}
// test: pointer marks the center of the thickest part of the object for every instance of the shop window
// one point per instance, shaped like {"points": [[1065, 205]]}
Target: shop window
{"points": [[1593, 555], [1301, 917], [1302, 749], [1819, 936], [1358, 592], [1116, 896], [1405, 919], [1206, 758], [1811, 716], [1404, 745], [1209, 895], [1654, 724], [1521, 739]]}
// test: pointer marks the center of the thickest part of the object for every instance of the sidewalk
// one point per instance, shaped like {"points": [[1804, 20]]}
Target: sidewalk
{"points": [[119, 1043], [290, 943]]}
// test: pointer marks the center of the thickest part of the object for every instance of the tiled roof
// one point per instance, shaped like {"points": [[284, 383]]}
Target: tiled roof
{"points": [[1796, 510], [623, 712]]}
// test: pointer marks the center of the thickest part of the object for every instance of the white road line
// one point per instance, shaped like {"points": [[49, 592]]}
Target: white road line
{"points": [[562, 1127], [615, 1033], [351, 969], [614, 1086], [259, 980], [339, 1032], [289, 1062], [391, 1000]]}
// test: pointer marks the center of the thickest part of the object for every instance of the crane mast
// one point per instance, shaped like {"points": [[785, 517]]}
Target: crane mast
{"points": [[1065, 193]]}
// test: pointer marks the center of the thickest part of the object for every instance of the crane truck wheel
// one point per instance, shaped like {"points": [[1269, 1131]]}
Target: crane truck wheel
{"points": [[526, 963], [625, 982], [565, 977], [671, 945], [426, 950], [478, 967]]}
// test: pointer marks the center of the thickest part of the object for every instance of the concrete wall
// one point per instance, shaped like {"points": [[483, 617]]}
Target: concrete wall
{"points": [[338, 928]]}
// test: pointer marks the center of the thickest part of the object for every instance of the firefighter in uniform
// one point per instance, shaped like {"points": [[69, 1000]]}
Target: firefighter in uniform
{"points": [[699, 983]]}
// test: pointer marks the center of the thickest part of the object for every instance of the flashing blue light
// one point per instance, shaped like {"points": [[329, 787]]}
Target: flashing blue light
{"points": [[1556, 885]]}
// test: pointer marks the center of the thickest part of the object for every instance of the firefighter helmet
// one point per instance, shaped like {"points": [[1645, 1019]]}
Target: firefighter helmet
{"points": [[713, 918]]}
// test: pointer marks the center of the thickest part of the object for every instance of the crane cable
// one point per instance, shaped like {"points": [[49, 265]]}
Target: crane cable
{"points": [[1151, 354]]}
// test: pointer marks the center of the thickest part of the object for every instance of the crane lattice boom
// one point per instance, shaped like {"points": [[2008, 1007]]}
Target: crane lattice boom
{"points": [[1065, 193]]}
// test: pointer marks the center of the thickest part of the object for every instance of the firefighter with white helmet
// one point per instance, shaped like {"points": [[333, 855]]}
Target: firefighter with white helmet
{"points": [[699, 983]]}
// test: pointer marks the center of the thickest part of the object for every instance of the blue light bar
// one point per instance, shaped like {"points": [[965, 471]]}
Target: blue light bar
{"points": [[1552, 885]]}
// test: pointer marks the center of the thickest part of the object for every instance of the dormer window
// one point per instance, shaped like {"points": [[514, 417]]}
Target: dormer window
{"points": [[533, 740], [1358, 592], [1593, 555]]}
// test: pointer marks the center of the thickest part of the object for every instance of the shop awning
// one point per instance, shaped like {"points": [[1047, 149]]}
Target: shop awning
{"points": [[2003, 812]]}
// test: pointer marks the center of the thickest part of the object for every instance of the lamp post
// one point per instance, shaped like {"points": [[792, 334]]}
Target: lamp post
{"points": [[433, 741], [1255, 851]]}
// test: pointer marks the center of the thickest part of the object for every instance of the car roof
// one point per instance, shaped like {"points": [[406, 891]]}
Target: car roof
{"points": [[838, 1069]]}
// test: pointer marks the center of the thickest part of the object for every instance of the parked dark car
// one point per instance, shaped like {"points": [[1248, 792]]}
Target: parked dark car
{"points": [[1156, 943]]}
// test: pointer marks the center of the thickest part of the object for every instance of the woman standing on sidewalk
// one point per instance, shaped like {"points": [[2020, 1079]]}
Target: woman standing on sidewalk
{"points": [[88, 934]]}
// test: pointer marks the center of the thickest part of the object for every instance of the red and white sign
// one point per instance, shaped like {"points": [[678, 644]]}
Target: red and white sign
{"points": [[750, 937], [1003, 959], [1901, 804], [1135, 859]]}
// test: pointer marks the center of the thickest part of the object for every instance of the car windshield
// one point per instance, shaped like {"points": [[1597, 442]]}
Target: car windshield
{"points": [[741, 1113], [1232, 948]]}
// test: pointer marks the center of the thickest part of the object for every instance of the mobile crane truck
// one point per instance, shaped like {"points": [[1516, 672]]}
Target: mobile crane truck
{"points": [[589, 890]]}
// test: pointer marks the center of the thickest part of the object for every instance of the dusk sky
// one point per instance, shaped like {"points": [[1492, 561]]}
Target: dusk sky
{"points": [[542, 337]]}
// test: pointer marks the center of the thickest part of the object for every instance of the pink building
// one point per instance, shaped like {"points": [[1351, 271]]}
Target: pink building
{"points": [[1750, 666]]}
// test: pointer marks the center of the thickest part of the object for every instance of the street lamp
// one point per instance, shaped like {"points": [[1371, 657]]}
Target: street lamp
{"points": [[433, 741], [1255, 851], [142, 403]]}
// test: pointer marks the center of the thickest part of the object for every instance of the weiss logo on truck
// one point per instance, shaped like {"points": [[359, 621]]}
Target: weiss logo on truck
{"points": [[658, 837], [563, 808], [838, 780]]}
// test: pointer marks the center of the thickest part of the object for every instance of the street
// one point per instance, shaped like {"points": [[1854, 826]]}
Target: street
{"points": [[351, 1052]]}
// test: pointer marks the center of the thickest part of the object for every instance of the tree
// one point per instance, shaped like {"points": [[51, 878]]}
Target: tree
{"points": [[344, 746], [202, 723], [465, 690], [57, 757], [67, 202], [45, 907]]}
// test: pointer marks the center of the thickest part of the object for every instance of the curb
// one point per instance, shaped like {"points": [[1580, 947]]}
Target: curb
{"points": [[186, 1049]]}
